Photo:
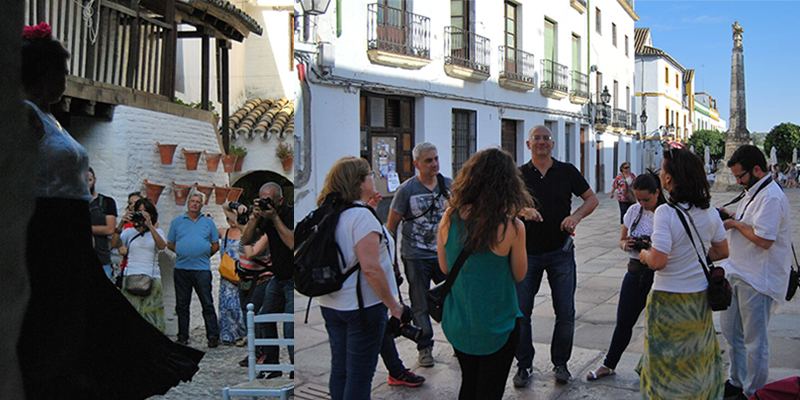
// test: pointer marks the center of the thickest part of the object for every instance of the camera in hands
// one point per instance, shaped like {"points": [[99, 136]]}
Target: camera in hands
{"points": [[641, 243], [242, 218], [406, 330], [723, 215], [137, 218]]}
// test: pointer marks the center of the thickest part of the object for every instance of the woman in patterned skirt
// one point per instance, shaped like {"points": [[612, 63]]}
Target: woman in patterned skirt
{"points": [[231, 323], [681, 357]]}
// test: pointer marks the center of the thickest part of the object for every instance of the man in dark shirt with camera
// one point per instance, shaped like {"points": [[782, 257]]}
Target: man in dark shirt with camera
{"points": [[549, 245], [274, 218]]}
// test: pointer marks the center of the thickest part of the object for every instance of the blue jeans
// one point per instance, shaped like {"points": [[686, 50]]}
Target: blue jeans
{"points": [[632, 299], [420, 272], [253, 291], [560, 267], [354, 350], [185, 280], [623, 208], [391, 360], [278, 298], [744, 325]]}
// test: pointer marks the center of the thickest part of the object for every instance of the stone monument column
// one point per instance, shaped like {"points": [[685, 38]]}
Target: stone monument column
{"points": [[737, 134]]}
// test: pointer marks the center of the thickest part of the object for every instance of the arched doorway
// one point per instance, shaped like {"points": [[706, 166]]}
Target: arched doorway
{"points": [[251, 182]]}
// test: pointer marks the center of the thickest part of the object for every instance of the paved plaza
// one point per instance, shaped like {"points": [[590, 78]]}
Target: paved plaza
{"points": [[601, 266]]}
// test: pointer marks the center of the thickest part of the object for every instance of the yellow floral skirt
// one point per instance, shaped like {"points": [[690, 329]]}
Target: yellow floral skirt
{"points": [[151, 307]]}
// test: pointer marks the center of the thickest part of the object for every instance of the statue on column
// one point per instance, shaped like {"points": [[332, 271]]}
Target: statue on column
{"points": [[737, 35]]}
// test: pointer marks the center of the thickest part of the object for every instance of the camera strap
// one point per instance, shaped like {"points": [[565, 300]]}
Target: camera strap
{"points": [[681, 212], [636, 221], [440, 183], [744, 193]]}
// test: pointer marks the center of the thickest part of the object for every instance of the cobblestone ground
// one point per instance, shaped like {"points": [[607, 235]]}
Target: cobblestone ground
{"points": [[218, 369]]}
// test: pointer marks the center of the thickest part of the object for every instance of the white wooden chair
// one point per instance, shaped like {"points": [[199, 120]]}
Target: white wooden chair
{"points": [[263, 387]]}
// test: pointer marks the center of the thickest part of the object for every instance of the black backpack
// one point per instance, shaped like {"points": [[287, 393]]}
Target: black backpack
{"points": [[318, 259]]}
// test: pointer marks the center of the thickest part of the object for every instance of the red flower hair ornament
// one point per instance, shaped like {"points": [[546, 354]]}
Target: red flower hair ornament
{"points": [[38, 32]]}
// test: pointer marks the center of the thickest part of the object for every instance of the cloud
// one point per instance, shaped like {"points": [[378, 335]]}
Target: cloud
{"points": [[703, 19]]}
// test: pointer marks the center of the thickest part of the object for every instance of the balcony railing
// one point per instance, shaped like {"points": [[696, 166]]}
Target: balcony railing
{"points": [[124, 47], [516, 64], [602, 115], [620, 119], [397, 31], [580, 84], [466, 49], [554, 76], [633, 121]]}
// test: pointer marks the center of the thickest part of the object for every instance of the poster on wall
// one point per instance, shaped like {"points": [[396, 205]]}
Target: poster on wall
{"points": [[384, 163]]}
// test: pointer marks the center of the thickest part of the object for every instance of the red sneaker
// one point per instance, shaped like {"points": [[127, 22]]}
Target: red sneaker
{"points": [[407, 378]]}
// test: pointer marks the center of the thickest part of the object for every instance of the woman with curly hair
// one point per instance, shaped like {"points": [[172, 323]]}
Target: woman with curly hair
{"points": [[481, 313], [681, 357]]}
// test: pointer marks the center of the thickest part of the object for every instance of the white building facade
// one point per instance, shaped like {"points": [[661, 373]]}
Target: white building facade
{"points": [[706, 114], [465, 76]]}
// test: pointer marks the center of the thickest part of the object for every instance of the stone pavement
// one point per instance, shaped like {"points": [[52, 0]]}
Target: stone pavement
{"points": [[601, 266]]}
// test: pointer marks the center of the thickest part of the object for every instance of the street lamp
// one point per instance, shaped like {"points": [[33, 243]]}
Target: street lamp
{"points": [[605, 97], [314, 7], [643, 118]]}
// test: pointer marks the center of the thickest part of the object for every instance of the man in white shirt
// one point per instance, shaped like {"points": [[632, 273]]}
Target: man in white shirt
{"points": [[758, 270]]}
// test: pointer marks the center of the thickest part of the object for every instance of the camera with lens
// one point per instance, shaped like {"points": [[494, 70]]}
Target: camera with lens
{"points": [[641, 243], [242, 218], [137, 218], [406, 330], [723, 215], [263, 203]]}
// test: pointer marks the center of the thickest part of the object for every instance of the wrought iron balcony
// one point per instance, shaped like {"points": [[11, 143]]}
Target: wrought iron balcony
{"points": [[554, 76], [602, 114], [621, 119], [633, 123], [580, 88], [517, 68], [466, 49], [399, 32]]}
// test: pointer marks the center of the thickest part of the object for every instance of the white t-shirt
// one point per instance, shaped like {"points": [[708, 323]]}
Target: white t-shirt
{"points": [[767, 271], [683, 272], [355, 224], [142, 253], [643, 228]]}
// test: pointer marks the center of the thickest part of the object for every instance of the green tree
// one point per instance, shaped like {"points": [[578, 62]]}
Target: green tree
{"points": [[785, 138], [714, 140]]}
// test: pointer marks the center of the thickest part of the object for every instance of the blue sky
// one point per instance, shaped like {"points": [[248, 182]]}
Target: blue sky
{"points": [[698, 34]]}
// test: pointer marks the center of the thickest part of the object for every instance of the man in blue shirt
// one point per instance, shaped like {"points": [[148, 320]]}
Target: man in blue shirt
{"points": [[194, 238]]}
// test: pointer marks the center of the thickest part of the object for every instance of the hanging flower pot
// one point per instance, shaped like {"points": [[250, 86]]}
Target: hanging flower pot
{"points": [[166, 151], [234, 194], [287, 163], [239, 163], [206, 190], [153, 191], [221, 193], [192, 157], [229, 162], [181, 192], [212, 160]]}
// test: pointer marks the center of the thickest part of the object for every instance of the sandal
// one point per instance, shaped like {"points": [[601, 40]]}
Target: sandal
{"points": [[601, 372]]}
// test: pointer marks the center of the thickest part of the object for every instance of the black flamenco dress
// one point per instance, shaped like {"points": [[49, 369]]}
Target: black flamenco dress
{"points": [[81, 339]]}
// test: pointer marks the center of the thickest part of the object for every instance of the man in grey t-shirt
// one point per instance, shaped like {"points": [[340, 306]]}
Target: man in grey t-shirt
{"points": [[420, 203]]}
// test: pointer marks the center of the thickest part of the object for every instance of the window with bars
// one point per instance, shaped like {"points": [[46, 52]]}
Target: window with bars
{"points": [[597, 24], [626, 46], [464, 137]]}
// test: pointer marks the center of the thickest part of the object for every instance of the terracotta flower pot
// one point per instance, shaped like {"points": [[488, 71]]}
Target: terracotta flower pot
{"points": [[192, 158], [221, 193], [287, 163], [206, 190], [166, 151], [212, 160], [153, 191], [239, 163], [181, 192], [234, 194], [229, 162]]}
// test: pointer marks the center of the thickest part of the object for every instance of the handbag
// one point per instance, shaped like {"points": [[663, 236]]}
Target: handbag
{"points": [[437, 294], [629, 196], [140, 284], [227, 266], [794, 277], [719, 290]]}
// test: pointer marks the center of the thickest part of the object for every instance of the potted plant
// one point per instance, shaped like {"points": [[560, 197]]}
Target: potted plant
{"points": [[240, 152], [285, 152]]}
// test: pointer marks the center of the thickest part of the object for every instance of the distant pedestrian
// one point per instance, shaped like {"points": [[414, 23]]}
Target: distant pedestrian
{"points": [[621, 188], [637, 228], [681, 357], [194, 238], [549, 228], [104, 220], [481, 314]]}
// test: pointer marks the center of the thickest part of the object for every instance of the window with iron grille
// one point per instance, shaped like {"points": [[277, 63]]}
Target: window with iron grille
{"points": [[614, 34], [464, 137]]}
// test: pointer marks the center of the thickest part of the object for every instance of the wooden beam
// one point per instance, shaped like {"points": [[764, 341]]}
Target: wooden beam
{"points": [[226, 94], [205, 73], [168, 62]]}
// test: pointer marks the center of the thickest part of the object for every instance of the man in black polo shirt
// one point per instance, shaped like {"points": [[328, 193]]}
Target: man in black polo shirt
{"points": [[276, 222], [549, 244]]}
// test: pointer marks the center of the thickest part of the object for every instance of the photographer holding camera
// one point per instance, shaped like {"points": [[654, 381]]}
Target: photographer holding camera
{"points": [[637, 228], [758, 269], [274, 219]]}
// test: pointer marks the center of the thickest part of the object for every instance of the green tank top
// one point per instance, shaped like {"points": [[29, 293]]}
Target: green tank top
{"points": [[482, 307]]}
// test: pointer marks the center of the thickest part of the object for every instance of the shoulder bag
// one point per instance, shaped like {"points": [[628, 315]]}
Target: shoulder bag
{"points": [[437, 294], [719, 290], [141, 284], [629, 196], [227, 265]]}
